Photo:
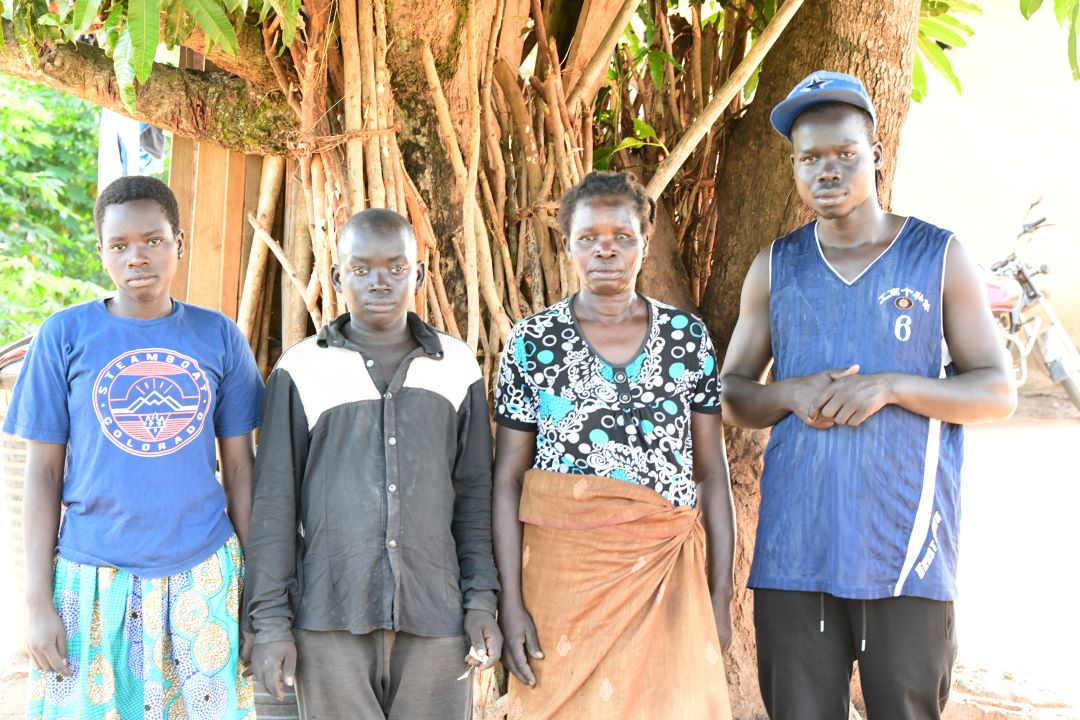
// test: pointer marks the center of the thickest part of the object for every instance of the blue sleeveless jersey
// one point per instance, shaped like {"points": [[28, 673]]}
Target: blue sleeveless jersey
{"points": [[872, 511]]}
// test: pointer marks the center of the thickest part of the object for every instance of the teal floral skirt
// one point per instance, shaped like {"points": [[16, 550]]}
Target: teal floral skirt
{"points": [[161, 648]]}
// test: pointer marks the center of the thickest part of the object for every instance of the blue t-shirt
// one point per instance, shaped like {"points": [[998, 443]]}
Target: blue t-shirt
{"points": [[139, 404], [629, 422]]}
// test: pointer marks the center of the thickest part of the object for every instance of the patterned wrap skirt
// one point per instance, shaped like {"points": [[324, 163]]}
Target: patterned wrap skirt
{"points": [[614, 577], [161, 648]]}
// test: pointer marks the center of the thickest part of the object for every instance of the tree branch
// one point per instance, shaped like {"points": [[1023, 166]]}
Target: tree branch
{"points": [[211, 106]]}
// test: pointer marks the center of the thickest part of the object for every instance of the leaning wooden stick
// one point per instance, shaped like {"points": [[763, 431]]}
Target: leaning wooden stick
{"points": [[273, 172], [698, 129], [286, 264]]}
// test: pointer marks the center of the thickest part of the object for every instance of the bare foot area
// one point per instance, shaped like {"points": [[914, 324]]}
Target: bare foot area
{"points": [[986, 695], [13, 687]]}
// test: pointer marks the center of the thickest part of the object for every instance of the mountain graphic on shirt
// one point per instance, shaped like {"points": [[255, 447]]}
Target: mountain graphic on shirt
{"points": [[154, 406], [152, 402]]}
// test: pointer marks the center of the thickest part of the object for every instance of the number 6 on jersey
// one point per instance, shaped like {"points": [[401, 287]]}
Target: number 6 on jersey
{"points": [[902, 328]]}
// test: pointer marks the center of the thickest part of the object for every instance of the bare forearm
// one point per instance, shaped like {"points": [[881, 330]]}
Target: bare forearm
{"points": [[719, 513], [237, 468], [238, 507], [507, 498], [983, 395], [751, 404], [41, 523]]}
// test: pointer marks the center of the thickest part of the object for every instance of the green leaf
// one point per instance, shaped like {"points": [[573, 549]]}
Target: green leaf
{"points": [[670, 60], [144, 29], [631, 39], [957, 6], [601, 159], [289, 22], [933, 8], [1028, 7], [125, 70], [210, 16], [937, 59], [751, 85], [178, 24], [935, 30], [109, 34], [956, 25], [1072, 42], [85, 12], [1063, 10], [656, 70], [631, 143], [918, 80], [643, 129]]}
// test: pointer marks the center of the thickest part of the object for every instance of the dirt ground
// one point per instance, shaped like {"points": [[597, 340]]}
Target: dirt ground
{"points": [[1017, 622]]}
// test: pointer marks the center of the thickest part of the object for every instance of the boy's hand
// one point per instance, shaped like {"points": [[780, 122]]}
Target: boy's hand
{"points": [[486, 638], [519, 632], [275, 666]]}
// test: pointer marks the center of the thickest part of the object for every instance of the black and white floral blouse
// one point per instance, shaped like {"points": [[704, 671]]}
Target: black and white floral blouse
{"points": [[630, 422]]}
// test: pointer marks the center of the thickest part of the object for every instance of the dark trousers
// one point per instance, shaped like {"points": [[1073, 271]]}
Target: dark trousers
{"points": [[807, 643], [341, 676]]}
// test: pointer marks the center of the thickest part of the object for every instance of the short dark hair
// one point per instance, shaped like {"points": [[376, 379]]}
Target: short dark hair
{"points": [[608, 184], [868, 121], [137, 187], [382, 221]]}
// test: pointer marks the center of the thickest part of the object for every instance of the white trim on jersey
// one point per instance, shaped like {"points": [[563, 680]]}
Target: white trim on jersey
{"points": [[921, 525], [849, 283], [924, 512], [772, 245]]}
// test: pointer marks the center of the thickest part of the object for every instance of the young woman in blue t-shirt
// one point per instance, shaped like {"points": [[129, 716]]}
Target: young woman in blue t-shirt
{"points": [[134, 599]]}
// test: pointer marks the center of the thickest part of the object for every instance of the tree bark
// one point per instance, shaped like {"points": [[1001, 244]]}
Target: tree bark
{"points": [[874, 40], [250, 62], [205, 106]]}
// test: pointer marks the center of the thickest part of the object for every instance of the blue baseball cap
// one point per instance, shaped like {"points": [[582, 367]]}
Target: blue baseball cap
{"points": [[816, 88]]}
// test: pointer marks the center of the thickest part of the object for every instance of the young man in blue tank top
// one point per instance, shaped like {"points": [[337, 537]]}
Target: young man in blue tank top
{"points": [[882, 346]]}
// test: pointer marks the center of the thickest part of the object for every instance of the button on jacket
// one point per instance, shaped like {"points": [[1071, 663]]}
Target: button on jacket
{"points": [[372, 509]]}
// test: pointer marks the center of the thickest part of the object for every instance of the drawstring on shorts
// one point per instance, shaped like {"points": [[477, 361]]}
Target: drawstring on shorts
{"points": [[863, 626]]}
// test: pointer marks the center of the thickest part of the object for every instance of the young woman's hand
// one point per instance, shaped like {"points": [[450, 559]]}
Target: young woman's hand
{"points": [[275, 666], [519, 634], [47, 640]]}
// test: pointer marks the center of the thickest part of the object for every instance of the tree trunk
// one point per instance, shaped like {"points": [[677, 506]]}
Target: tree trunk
{"points": [[875, 41]]}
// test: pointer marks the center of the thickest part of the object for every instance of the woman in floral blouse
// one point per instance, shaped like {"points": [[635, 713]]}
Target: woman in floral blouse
{"points": [[610, 473]]}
